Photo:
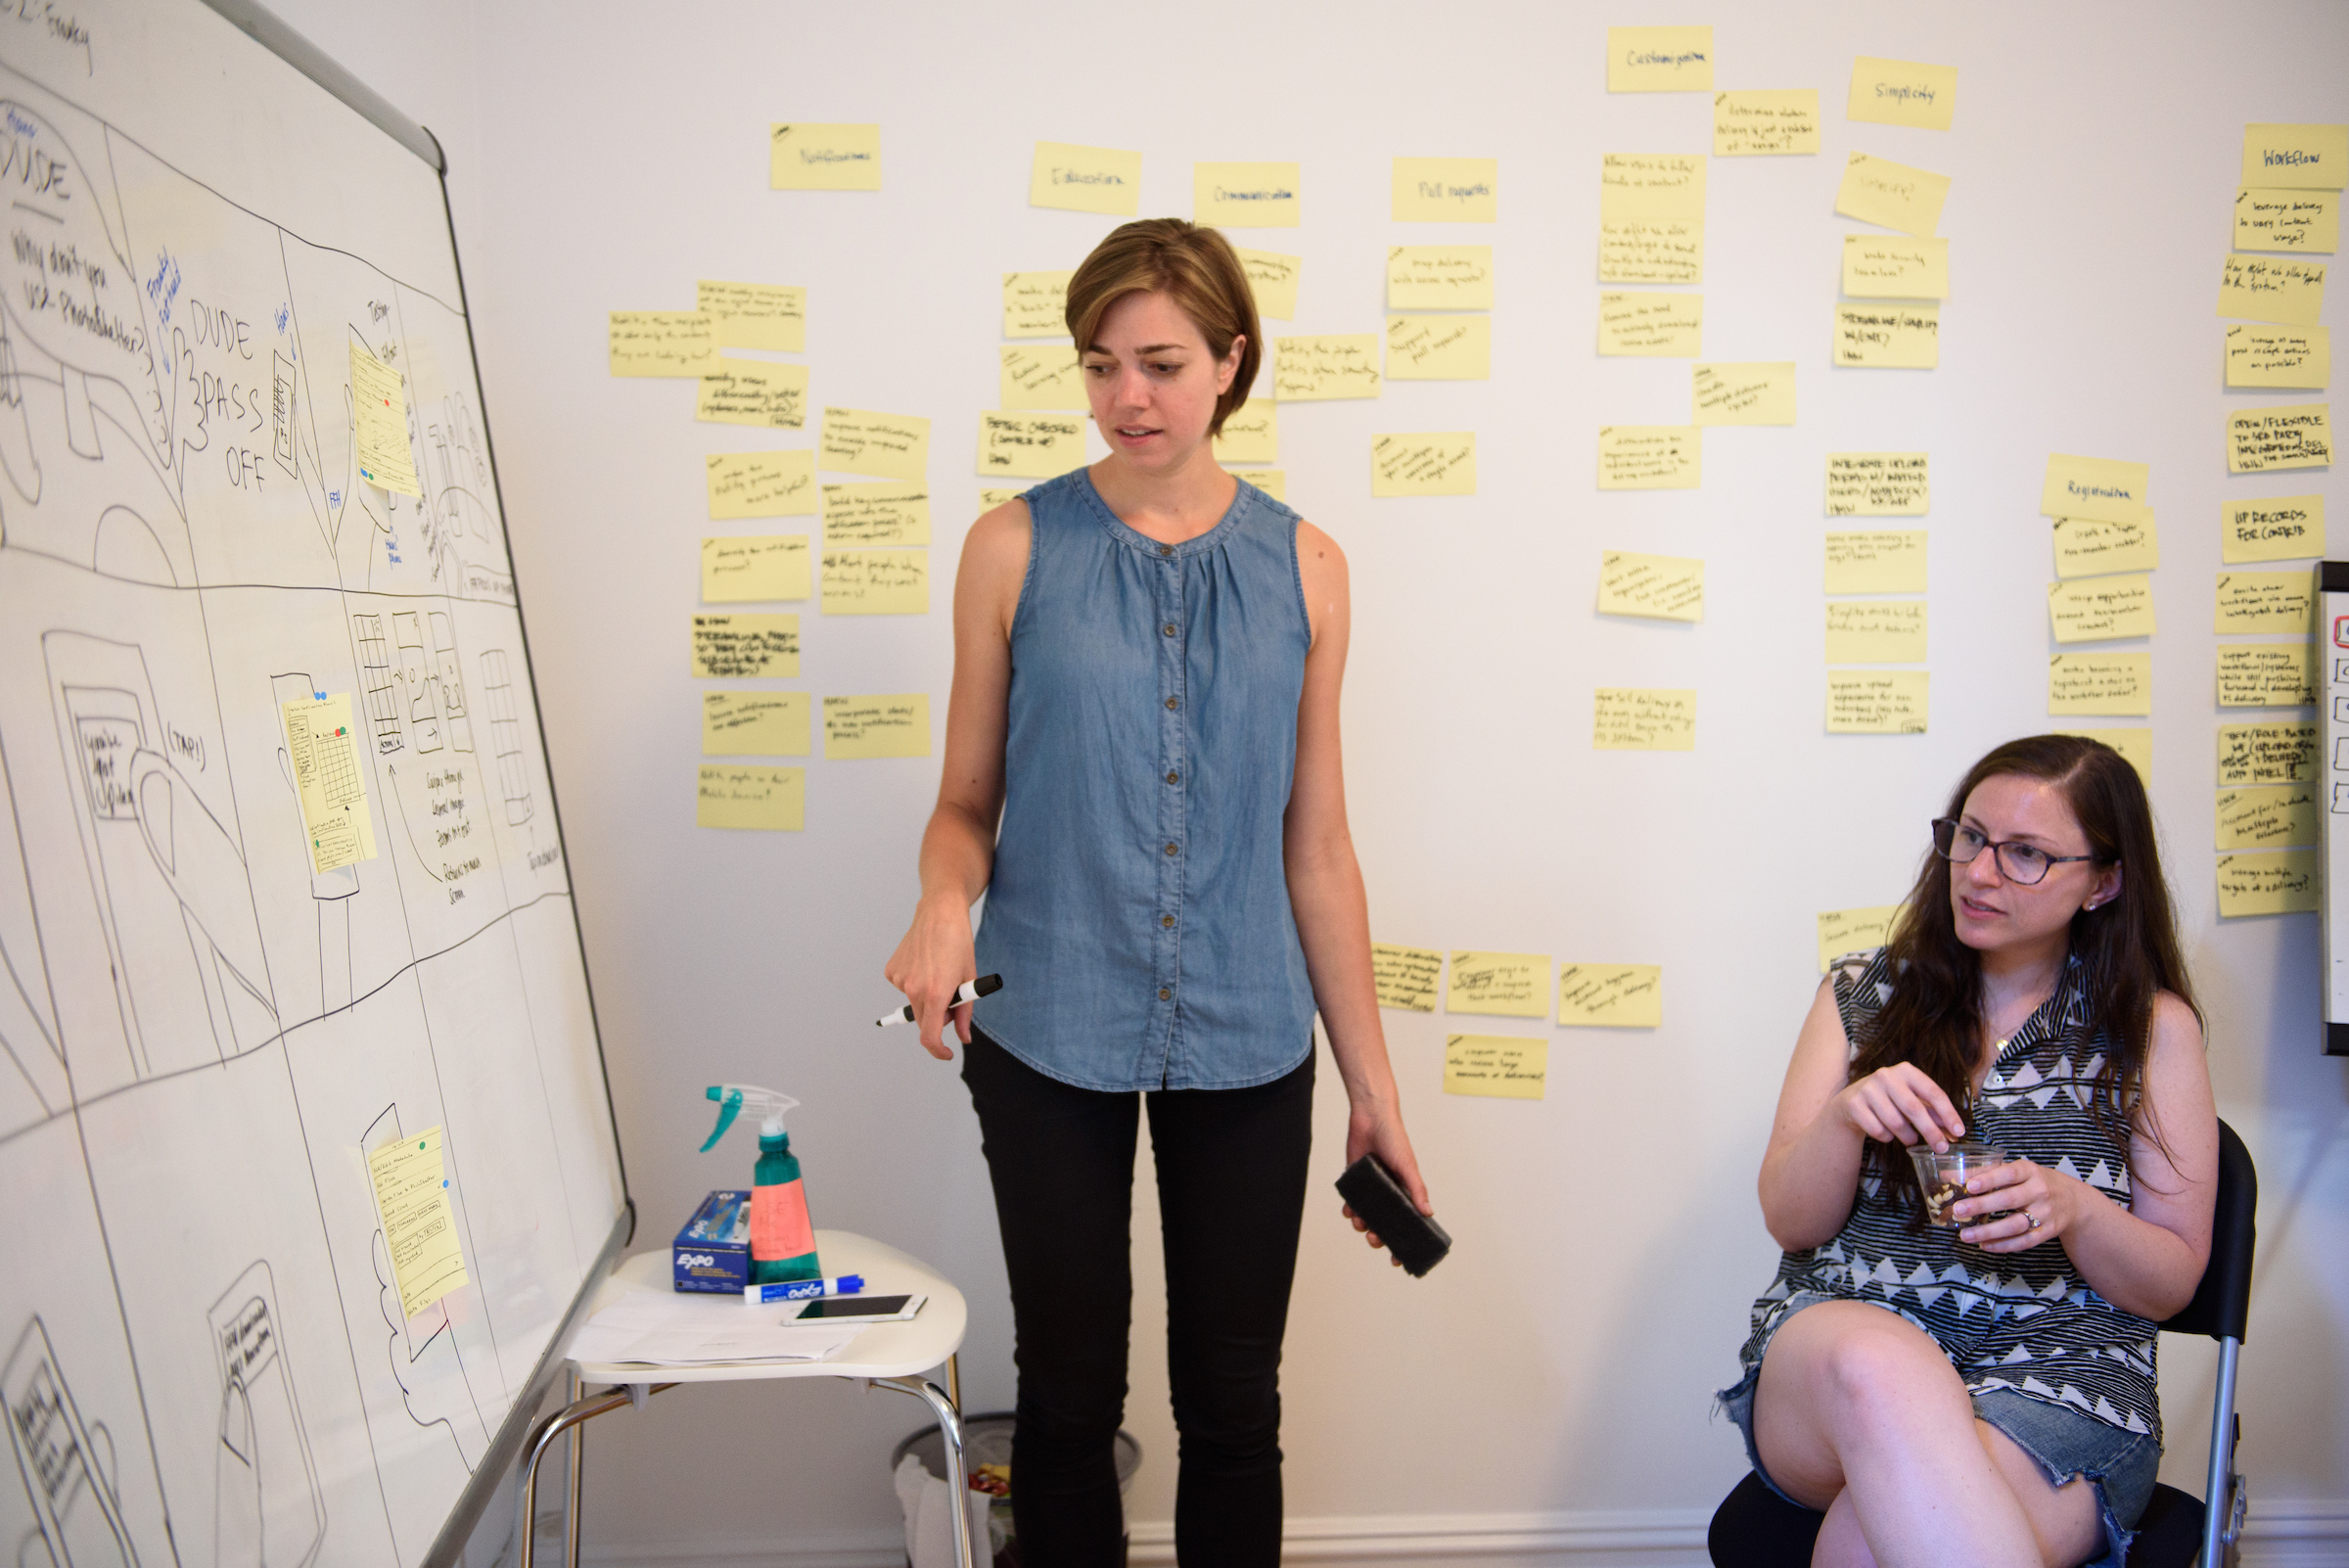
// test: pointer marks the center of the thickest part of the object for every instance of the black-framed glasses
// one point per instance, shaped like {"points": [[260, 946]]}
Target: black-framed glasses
{"points": [[2026, 863]]}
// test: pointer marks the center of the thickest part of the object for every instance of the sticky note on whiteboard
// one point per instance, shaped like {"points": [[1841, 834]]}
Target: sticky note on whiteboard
{"points": [[410, 1184]]}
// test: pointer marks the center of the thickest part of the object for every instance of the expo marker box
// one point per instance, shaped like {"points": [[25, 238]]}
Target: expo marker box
{"points": [[712, 1253]]}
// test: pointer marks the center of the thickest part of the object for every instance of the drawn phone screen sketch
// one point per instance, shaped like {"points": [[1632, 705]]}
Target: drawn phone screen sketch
{"points": [[212, 1007]]}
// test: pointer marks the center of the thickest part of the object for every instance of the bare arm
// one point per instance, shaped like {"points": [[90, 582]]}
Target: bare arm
{"points": [[959, 847]]}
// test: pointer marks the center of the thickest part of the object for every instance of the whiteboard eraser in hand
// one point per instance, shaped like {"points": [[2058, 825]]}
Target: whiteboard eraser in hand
{"points": [[1378, 1200]]}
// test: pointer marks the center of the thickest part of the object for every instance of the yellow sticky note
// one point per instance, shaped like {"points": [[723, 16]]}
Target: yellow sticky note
{"points": [[2101, 609], [857, 441], [1649, 457], [731, 646], [1245, 196], [1030, 446], [1611, 995], [757, 315], [1651, 251], [2304, 158], [1875, 632], [1656, 325], [883, 511], [876, 582], [1879, 560], [1495, 1065], [1514, 985], [2268, 816], [1432, 463], [824, 157], [1405, 977], [1651, 185], [1634, 719], [2093, 486], [2294, 435], [2088, 548], [990, 499], [2267, 675], [2272, 527], [1878, 485], [739, 794], [1035, 304], [1440, 277], [1086, 180], [744, 570], [2285, 290], [1251, 434], [1766, 122], [1665, 587], [1439, 348], [1884, 266], [2305, 222], [1041, 376], [1901, 92], [1887, 337], [328, 758], [2136, 746], [2273, 882], [2279, 356], [1272, 480], [2269, 754], [1754, 394], [760, 483], [1893, 196], [755, 724], [1273, 279], [1659, 60], [378, 413], [2120, 684], [1447, 190], [2267, 601], [663, 343], [420, 1225], [1338, 365], [753, 391], [1879, 702], [1852, 930], [860, 727]]}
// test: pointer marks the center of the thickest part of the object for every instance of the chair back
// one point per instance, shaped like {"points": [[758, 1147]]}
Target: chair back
{"points": [[2222, 1303]]}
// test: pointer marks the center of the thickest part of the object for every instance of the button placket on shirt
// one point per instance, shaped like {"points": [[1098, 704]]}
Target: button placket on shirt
{"points": [[1173, 814]]}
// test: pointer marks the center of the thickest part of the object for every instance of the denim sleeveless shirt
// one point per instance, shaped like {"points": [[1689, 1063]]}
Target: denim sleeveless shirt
{"points": [[1139, 907]]}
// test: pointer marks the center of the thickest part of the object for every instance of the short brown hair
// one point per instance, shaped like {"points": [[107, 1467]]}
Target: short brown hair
{"points": [[1195, 266]]}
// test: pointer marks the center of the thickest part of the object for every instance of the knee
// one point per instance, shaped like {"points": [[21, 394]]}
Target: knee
{"points": [[1235, 1421], [1882, 1369]]}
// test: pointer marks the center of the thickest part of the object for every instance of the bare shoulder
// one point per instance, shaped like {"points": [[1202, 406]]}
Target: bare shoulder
{"points": [[1000, 538], [1321, 567]]}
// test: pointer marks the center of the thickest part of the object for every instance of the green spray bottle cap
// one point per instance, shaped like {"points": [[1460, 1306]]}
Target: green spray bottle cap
{"points": [[765, 1103]]}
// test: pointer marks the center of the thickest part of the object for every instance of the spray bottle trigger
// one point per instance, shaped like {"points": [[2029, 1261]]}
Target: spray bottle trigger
{"points": [[729, 1107]]}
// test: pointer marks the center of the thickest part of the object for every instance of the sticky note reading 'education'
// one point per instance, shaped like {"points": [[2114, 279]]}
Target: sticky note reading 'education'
{"points": [[755, 724], [1611, 995], [2311, 157], [1040, 375], [2294, 435], [824, 157], [1438, 277], [730, 646], [1030, 446], [1251, 434], [1272, 278], [1035, 304], [663, 343], [1450, 348], [1337, 366], [2267, 675], [738, 794], [2273, 528], [1879, 560], [862, 727], [1634, 719], [757, 315], [1877, 701], [2267, 601], [747, 569], [1875, 632], [1440, 463], [2269, 754], [2093, 487], [1405, 977], [2273, 882], [855, 440], [882, 512], [1756, 393], [1649, 457], [2266, 287], [876, 582], [2119, 685], [1887, 337], [1447, 190], [2086, 546], [1766, 122], [2101, 609], [1246, 196], [2303, 222], [1878, 485], [1654, 325], [1086, 180], [1514, 985], [420, 1226], [1901, 92], [1881, 266], [2279, 356], [1659, 60], [1495, 1065], [760, 484], [1665, 587], [1849, 931], [1893, 196], [330, 780], [753, 391], [2268, 816]]}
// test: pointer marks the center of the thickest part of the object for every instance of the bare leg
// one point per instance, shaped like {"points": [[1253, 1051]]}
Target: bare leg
{"points": [[2064, 1519], [1840, 1544]]}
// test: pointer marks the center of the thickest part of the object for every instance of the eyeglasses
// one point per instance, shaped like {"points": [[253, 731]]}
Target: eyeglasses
{"points": [[2026, 863]]}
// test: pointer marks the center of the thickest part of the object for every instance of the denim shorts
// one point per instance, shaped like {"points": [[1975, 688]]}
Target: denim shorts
{"points": [[2120, 1465]]}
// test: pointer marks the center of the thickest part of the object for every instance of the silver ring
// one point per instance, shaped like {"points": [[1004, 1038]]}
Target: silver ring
{"points": [[2031, 1219]]}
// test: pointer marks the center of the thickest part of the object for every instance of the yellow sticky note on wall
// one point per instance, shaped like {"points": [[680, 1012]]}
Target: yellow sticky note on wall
{"points": [[757, 315], [876, 582], [1852, 930], [2270, 882], [824, 157], [1760, 392], [2268, 816], [2101, 609], [1878, 561], [1650, 457], [1611, 995], [760, 483], [1659, 60], [1251, 434], [1875, 632], [1336, 365], [1651, 251], [1903, 92], [2302, 223], [1887, 337], [1246, 196], [743, 569], [1514, 985], [1041, 376], [2267, 675], [1665, 587], [1495, 1065], [1651, 185], [2099, 684], [420, 1226], [882, 512], [1273, 279], [2086, 546], [753, 391], [1086, 180], [2269, 754], [1884, 266], [1035, 304], [2267, 601], [1636, 719], [663, 343], [2292, 435], [861, 728], [2309, 158], [2136, 746], [379, 426], [1433, 463], [740, 795], [1654, 325], [1879, 702], [736, 646], [1030, 446], [2093, 486], [2279, 356], [324, 751], [1766, 122], [1272, 481], [2272, 527], [1447, 190], [1405, 977], [1439, 348], [755, 724], [857, 441], [1440, 277], [1895, 196], [1878, 485], [2285, 290]]}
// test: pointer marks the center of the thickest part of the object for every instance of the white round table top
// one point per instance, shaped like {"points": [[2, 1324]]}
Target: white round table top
{"points": [[884, 1350]]}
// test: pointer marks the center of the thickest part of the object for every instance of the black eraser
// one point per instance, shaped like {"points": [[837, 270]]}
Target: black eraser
{"points": [[1371, 1191]]}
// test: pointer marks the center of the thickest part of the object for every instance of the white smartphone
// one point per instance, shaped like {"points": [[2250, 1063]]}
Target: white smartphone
{"points": [[856, 1308]]}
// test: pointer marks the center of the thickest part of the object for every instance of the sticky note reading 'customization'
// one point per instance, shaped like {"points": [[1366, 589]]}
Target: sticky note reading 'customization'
{"points": [[1634, 719], [1405, 977], [753, 391], [1495, 1065], [739, 794], [1442, 463], [2273, 882], [1756, 393], [1246, 196], [2119, 685], [1878, 485], [1251, 434], [757, 315], [1272, 278], [1035, 304], [755, 724], [1514, 985], [1766, 122], [420, 1226], [1438, 277], [1338, 365], [2274, 528], [1666, 587], [663, 343], [1877, 701], [1879, 560], [1447, 190], [2294, 435], [876, 582], [1611, 995], [2269, 754], [1893, 196], [1887, 337], [761, 484], [880, 512], [1851, 931], [731, 646], [860, 727], [2086, 546], [1086, 180], [1659, 60], [855, 440], [1649, 457], [745, 569], [1901, 92], [1654, 325], [824, 157]]}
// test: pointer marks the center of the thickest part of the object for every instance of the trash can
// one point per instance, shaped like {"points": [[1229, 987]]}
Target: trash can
{"points": [[987, 1441]]}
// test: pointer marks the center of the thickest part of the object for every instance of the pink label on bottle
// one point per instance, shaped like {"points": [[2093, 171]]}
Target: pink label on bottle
{"points": [[779, 1224]]}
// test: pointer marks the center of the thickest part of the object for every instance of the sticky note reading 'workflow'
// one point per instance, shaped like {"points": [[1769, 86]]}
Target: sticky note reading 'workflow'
{"points": [[1634, 719], [1887, 337], [1649, 457], [1655, 325], [1901, 92], [1880, 561], [2267, 601], [2267, 675], [2279, 356], [861, 728], [1877, 485], [883, 511], [2136, 746], [1440, 463], [1849, 931], [1666, 587], [746, 570], [2265, 287], [824, 157], [2269, 754], [1035, 304], [1037, 375], [855, 440], [1272, 278], [1659, 60], [760, 483], [1447, 190], [2093, 487], [2312, 158], [1030, 446], [2268, 816], [2274, 882], [1875, 632], [2101, 609], [1515, 985], [1246, 196], [1877, 701], [1495, 1065], [2294, 435], [1893, 196], [1086, 180], [663, 343], [1448, 347], [753, 391], [1440, 277], [2304, 222], [730, 646], [1881, 266], [1756, 393], [2273, 528], [1766, 122], [737, 795], [755, 724], [1405, 977], [1338, 365], [2119, 685], [329, 779], [378, 416], [876, 582], [1611, 995], [757, 315], [420, 1226], [1251, 434]]}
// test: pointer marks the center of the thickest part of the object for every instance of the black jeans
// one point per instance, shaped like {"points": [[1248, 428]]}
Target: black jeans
{"points": [[1231, 1167]]}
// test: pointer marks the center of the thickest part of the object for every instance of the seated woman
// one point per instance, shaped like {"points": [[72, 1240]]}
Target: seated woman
{"points": [[1985, 1395]]}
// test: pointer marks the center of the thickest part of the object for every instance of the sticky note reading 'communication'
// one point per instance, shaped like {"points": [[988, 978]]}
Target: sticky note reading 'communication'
{"points": [[824, 157], [1246, 196], [1878, 485], [1877, 701], [2091, 684], [2274, 882], [1893, 196], [663, 343], [1495, 1065], [2268, 816], [1040, 375], [1035, 304], [1405, 977], [883, 511], [1251, 434], [861, 728], [737, 795], [1880, 266], [2093, 487], [420, 1226], [1901, 92], [1851, 931], [2314, 157], [2264, 287], [760, 483], [753, 391], [757, 315], [2269, 754], [1439, 348], [876, 582], [2275, 528], [1611, 995], [1766, 122], [2086, 546], [2267, 675], [1880, 561], [2101, 609], [1757, 393], [755, 724], [746, 570], [2297, 436], [1633, 719], [2279, 356], [1656, 325], [2301, 221], [1273, 279], [1875, 632], [1514, 985], [1442, 463], [1440, 277], [1659, 60], [855, 440], [1649, 457], [1887, 337], [730, 646], [1338, 365], [1447, 190], [1086, 180], [1030, 446], [2135, 745], [2267, 601], [1666, 587]]}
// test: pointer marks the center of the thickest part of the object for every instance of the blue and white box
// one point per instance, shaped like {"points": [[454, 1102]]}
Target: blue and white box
{"points": [[712, 1253]]}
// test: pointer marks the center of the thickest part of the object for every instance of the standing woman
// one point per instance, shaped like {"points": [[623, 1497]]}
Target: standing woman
{"points": [[1147, 658]]}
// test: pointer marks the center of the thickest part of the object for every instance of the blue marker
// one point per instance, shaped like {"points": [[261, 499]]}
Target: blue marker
{"points": [[801, 1289]]}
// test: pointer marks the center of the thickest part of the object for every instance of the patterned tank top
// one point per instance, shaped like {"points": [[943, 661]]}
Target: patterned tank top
{"points": [[2019, 1321]]}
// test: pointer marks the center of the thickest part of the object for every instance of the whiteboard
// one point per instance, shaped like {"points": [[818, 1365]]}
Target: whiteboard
{"points": [[201, 1354]]}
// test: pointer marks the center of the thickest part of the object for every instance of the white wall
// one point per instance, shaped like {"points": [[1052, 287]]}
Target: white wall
{"points": [[1550, 1383]]}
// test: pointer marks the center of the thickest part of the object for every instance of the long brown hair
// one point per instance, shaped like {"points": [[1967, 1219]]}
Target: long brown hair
{"points": [[1195, 265], [2130, 944]]}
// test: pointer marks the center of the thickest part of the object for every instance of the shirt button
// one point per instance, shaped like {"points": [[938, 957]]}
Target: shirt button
{"points": [[1174, 702], [1165, 995], [1171, 849], [1174, 778], [1168, 628], [1166, 549], [1166, 920]]}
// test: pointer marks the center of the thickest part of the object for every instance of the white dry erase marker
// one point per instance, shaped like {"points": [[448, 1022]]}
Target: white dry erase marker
{"points": [[800, 1289], [971, 991]]}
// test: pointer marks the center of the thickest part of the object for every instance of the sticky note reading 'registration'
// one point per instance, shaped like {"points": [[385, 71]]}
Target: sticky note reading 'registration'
{"points": [[1514, 985], [1086, 180], [1245, 196], [737, 795], [1447, 190], [2292, 435], [1766, 122], [420, 1227], [2279, 356], [757, 315], [2268, 816], [1877, 485], [1875, 632], [2307, 158], [1659, 60], [1879, 560], [1273, 279], [1495, 1065], [1337, 366], [329, 779], [1405, 977], [753, 391], [1251, 434], [2101, 609], [2273, 882], [1649, 457], [1757, 393], [755, 724], [663, 343], [2305, 222], [1666, 587], [824, 157], [1894, 196], [859, 727], [2263, 287], [1901, 92], [726, 647], [2093, 487], [1847, 931], [1440, 463], [747, 569], [2119, 685], [855, 440], [1439, 348], [2269, 754], [2267, 601], [1035, 304], [1635, 718], [760, 483], [2272, 527], [379, 412], [1438, 277], [876, 582], [1030, 446], [1887, 337], [1611, 995], [884, 512], [1880, 266], [1877, 701], [1654, 325], [2267, 675]]}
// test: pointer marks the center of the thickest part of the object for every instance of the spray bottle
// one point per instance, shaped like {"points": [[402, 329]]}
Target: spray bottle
{"points": [[782, 1237]]}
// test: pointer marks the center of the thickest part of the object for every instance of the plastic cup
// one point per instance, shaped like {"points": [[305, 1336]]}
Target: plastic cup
{"points": [[1941, 1177]]}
